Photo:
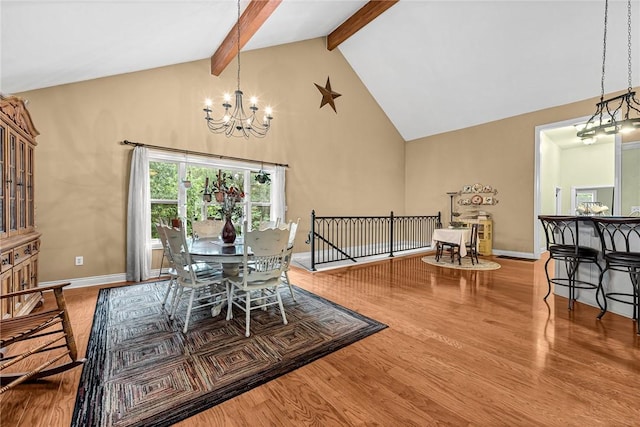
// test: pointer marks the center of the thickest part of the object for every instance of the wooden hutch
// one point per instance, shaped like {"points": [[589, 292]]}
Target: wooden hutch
{"points": [[19, 240]]}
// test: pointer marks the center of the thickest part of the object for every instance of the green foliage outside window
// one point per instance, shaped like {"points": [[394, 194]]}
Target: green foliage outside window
{"points": [[164, 193], [164, 185]]}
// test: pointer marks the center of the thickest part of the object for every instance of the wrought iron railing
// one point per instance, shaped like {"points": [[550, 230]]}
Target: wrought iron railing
{"points": [[338, 238]]}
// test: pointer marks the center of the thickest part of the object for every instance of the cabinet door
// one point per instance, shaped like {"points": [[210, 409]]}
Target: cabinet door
{"points": [[12, 178], [4, 212], [481, 231], [6, 286], [21, 280], [33, 271], [21, 174], [29, 189]]}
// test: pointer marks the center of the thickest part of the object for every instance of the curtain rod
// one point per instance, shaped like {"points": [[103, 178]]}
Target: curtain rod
{"points": [[189, 152]]}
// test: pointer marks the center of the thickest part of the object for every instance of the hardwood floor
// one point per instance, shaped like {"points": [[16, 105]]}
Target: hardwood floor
{"points": [[462, 348]]}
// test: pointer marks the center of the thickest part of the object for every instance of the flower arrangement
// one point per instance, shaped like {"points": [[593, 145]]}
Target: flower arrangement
{"points": [[232, 195], [227, 193]]}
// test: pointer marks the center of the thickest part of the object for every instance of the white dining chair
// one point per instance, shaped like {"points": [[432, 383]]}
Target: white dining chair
{"points": [[293, 228], [206, 228], [166, 254], [207, 288], [269, 224], [258, 283]]}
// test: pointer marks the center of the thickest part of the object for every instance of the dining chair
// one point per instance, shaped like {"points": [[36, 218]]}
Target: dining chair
{"points": [[562, 235], [258, 283], [269, 224], [472, 244], [206, 229], [166, 253], [620, 243], [452, 248], [293, 228], [207, 288]]}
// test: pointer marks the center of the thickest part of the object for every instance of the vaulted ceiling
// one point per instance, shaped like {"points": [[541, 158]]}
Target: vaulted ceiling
{"points": [[433, 66]]}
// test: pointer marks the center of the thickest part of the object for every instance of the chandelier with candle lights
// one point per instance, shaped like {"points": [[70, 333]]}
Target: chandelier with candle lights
{"points": [[235, 121]]}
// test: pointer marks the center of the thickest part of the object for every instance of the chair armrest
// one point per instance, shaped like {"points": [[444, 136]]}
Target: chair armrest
{"points": [[34, 290]]}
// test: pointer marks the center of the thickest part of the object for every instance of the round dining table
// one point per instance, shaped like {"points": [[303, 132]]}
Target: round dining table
{"points": [[214, 250]]}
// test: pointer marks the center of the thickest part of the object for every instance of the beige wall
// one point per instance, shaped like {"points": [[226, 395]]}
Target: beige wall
{"points": [[349, 163], [500, 154], [586, 166]]}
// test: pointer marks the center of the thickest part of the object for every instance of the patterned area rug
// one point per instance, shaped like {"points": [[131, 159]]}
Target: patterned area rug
{"points": [[141, 370], [445, 262]]}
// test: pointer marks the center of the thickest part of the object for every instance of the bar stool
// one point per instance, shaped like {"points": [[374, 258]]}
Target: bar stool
{"points": [[620, 240], [562, 234]]}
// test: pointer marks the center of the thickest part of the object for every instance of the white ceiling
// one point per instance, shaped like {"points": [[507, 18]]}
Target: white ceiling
{"points": [[433, 66], [565, 137]]}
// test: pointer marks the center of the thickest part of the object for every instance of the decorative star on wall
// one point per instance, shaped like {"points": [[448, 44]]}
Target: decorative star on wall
{"points": [[328, 96]]}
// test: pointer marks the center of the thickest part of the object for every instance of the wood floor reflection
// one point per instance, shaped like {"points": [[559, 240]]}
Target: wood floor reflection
{"points": [[462, 348]]}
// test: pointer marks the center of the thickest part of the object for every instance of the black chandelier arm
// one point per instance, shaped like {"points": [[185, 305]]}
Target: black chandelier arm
{"points": [[238, 123], [604, 120], [619, 113]]}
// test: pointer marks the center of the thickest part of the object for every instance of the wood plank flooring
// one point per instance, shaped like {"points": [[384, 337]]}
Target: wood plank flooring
{"points": [[462, 348]]}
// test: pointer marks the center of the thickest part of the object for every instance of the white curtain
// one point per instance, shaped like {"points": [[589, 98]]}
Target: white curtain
{"points": [[139, 218], [279, 202]]}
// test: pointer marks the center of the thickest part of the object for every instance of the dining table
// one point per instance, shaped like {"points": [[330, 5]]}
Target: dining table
{"points": [[214, 250], [458, 236]]}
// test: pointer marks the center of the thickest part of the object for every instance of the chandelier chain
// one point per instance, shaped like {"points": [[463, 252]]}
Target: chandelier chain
{"points": [[629, 41], [604, 48], [238, 56], [620, 113], [236, 121]]}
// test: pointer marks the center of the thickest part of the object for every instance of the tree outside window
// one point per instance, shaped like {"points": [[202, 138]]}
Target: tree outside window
{"points": [[163, 184], [171, 198]]}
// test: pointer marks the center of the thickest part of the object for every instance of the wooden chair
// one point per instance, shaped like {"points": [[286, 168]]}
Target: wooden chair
{"points": [[257, 285], [472, 245], [51, 330], [206, 288]]}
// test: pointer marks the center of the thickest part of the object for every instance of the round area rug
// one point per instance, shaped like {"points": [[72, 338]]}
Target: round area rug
{"points": [[445, 262]]}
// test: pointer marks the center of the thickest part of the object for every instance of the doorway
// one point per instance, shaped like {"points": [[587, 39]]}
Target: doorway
{"points": [[564, 163]]}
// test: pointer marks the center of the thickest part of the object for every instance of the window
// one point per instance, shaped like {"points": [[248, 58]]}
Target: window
{"points": [[163, 183], [585, 196], [177, 184]]}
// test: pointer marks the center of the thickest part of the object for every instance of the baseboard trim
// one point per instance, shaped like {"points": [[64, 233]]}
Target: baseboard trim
{"points": [[514, 254], [82, 282]]}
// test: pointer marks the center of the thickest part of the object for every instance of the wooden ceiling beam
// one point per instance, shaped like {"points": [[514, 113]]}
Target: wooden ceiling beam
{"points": [[255, 14], [357, 21]]}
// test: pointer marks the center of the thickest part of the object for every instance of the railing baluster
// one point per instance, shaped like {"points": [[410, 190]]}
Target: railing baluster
{"points": [[341, 238]]}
